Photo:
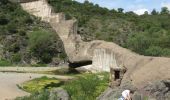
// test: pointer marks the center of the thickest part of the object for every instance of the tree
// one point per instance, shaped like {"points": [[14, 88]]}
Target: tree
{"points": [[86, 2], [146, 13], [43, 45], [137, 41], [113, 11], [2, 2], [154, 51], [131, 13], [164, 10], [3, 20], [120, 10], [154, 12]]}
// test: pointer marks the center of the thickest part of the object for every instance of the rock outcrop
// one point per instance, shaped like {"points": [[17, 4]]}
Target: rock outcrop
{"points": [[140, 69], [115, 94], [159, 89], [58, 94]]}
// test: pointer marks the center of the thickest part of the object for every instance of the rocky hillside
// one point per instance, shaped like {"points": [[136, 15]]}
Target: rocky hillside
{"points": [[24, 38], [149, 32]]}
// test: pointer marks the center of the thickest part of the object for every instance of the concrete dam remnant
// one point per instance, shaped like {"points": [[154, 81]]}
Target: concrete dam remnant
{"points": [[103, 55]]}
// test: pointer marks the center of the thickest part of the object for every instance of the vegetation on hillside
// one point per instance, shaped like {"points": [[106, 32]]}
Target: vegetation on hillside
{"points": [[44, 45], [148, 34], [24, 38], [151, 32]]}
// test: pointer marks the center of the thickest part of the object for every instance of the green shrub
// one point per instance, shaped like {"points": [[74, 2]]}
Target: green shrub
{"points": [[43, 45], [3, 20], [16, 58], [166, 52], [39, 65], [154, 51], [44, 95], [5, 63], [84, 87], [63, 56], [87, 87]]}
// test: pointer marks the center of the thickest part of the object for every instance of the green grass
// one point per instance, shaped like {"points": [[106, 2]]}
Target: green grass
{"points": [[39, 84], [44, 95], [88, 86], [39, 65], [84, 87], [5, 63]]}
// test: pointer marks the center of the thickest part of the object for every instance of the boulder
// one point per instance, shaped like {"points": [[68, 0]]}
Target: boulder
{"points": [[159, 89], [128, 85], [137, 96], [58, 94], [115, 93], [110, 94]]}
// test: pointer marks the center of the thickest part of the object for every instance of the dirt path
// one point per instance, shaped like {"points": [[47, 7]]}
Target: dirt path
{"points": [[9, 81], [28, 69]]}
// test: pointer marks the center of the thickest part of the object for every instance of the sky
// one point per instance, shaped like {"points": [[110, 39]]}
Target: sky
{"points": [[137, 6]]}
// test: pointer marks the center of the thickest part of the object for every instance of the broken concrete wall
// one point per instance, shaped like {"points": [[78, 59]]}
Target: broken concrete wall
{"points": [[103, 59], [40, 8]]}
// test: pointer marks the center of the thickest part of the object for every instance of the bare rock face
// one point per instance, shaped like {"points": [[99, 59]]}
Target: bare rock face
{"points": [[159, 89], [110, 94], [115, 94], [58, 94], [140, 69]]}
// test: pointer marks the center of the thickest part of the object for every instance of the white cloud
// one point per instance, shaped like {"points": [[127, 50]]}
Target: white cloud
{"points": [[166, 4], [137, 6], [140, 11]]}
